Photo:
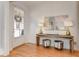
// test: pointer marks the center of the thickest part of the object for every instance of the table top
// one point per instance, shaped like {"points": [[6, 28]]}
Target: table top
{"points": [[55, 35]]}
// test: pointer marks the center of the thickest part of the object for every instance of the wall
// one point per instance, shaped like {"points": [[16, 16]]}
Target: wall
{"points": [[4, 28], [7, 40], [23, 39], [1, 26], [1, 22], [53, 9]]}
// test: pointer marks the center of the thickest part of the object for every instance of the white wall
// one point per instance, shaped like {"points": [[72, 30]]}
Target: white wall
{"points": [[7, 40], [23, 39], [4, 28], [1, 23], [53, 9]]}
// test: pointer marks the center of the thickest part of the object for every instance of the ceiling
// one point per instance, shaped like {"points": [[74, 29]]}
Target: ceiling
{"points": [[33, 3]]}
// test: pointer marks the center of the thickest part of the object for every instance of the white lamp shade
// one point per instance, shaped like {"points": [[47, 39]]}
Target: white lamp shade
{"points": [[40, 24], [68, 23], [61, 28]]}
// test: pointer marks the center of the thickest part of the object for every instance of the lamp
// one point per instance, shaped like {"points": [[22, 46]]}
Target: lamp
{"points": [[67, 25], [41, 26]]}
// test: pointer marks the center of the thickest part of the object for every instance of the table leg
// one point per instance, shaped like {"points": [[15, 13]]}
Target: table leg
{"points": [[37, 41], [71, 45]]}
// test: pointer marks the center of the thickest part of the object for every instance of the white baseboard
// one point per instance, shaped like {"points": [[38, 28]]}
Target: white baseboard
{"points": [[3, 53]]}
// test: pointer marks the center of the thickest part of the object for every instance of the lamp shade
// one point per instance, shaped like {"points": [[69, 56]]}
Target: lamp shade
{"points": [[40, 24], [68, 23]]}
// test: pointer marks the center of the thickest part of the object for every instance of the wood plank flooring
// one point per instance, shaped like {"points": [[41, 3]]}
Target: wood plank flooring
{"points": [[31, 50]]}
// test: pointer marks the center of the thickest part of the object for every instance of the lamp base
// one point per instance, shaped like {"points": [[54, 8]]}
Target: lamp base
{"points": [[41, 32], [68, 33]]}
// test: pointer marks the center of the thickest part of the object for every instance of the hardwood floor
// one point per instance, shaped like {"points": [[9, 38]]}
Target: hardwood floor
{"points": [[31, 50]]}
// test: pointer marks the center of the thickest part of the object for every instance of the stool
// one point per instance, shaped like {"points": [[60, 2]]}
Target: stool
{"points": [[58, 44], [46, 43]]}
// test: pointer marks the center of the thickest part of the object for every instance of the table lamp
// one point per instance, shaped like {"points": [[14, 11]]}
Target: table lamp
{"points": [[67, 25], [41, 26]]}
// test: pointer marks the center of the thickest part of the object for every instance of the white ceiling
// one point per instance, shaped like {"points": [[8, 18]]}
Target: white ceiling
{"points": [[30, 3], [33, 3]]}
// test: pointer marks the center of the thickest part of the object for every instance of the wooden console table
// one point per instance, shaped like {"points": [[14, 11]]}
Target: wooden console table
{"points": [[70, 38]]}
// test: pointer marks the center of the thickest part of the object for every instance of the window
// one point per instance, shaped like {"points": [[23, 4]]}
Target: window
{"points": [[18, 22]]}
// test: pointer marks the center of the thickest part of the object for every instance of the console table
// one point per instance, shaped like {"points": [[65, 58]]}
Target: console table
{"points": [[70, 38]]}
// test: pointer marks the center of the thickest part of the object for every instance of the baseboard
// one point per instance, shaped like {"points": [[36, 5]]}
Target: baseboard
{"points": [[1, 52], [19, 45], [29, 43], [4, 53]]}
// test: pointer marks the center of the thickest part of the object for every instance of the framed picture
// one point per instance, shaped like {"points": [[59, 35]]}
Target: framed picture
{"points": [[54, 22]]}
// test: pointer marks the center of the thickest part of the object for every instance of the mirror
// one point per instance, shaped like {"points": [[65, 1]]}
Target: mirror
{"points": [[55, 22]]}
